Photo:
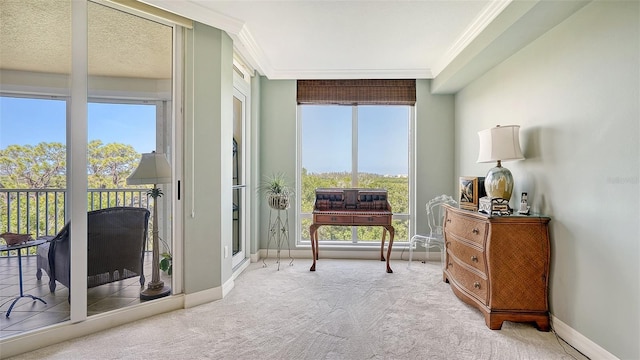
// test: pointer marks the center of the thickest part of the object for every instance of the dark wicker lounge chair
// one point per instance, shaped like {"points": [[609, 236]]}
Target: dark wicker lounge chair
{"points": [[116, 243]]}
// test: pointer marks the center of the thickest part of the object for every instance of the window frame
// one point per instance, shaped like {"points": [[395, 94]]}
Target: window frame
{"points": [[408, 217]]}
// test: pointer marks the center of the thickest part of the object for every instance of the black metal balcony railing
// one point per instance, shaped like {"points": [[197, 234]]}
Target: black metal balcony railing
{"points": [[41, 212]]}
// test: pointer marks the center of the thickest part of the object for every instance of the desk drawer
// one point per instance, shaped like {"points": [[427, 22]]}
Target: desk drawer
{"points": [[373, 220], [333, 219]]}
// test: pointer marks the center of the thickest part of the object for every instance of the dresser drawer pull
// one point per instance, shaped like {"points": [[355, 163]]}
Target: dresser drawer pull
{"points": [[448, 220], [475, 231], [474, 258], [450, 265], [333, 218], [476, 285]]}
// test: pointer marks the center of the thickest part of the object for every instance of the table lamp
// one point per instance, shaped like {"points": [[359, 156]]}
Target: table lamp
{"points": [[153, 169], [501, 143]]}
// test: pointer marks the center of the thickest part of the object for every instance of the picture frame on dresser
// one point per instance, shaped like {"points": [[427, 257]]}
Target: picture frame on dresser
{"points": [[471, 189]]}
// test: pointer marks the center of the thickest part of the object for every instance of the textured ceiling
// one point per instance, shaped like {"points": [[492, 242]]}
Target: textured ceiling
{"points": [[35, 35]]}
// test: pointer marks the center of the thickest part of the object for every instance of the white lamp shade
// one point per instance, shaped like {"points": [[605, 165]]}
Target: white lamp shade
{"points": [[500, 143], [152, 169]]}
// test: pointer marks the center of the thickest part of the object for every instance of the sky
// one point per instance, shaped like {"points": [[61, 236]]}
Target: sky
{"points": [[382, 139], [31, 121], [326, 131]]}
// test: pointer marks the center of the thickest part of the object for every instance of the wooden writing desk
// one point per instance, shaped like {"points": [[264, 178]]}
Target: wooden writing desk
{"points": [[352, 207]]}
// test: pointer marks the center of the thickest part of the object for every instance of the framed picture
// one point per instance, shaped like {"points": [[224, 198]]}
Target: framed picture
{"points": [[471, 190]]}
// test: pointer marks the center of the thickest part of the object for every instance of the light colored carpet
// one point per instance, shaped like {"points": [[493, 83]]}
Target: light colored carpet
{"points": [[347, 309]]}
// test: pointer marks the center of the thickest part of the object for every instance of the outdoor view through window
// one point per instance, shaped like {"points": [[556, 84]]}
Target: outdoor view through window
{"points": [[355, 146], [33, 148], [32, 135]]}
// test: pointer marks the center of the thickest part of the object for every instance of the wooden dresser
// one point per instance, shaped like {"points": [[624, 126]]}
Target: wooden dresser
{"points": [[499, 264]]}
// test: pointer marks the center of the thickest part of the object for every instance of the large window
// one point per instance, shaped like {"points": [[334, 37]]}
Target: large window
{"points": [[364, 146]]}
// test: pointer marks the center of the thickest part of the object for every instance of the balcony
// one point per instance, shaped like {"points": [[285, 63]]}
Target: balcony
{"points": [[41, 212]]}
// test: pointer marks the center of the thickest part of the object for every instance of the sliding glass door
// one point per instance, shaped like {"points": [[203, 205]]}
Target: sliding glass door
{"points": [[77, 113], [129, 114]]}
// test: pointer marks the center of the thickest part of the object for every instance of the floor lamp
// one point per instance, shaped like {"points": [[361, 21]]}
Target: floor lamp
{"points": [[153, 169]]}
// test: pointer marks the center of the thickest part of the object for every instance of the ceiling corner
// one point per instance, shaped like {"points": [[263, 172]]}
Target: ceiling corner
{"points": [[515, 27], [488, 14]]}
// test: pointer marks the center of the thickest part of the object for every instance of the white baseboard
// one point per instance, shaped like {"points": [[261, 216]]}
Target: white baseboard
{"points": [[203, 297], [214, 294], [579, 341]]}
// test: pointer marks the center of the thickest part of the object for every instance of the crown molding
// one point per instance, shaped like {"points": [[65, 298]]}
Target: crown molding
{"points": [[479, 24], [243, 40], [510, 31], [251, 51], [350, 74], [245, 44]]}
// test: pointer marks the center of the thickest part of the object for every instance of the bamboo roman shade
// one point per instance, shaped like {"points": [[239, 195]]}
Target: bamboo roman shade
{"points": [[357, 92]]}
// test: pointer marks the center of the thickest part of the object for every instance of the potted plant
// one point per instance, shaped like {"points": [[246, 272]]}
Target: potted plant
{"points": [[166, 261], [277, 191]]}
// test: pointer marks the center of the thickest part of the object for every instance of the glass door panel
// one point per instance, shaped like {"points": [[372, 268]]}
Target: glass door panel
{"points": [[239, 179], [34, 94], [129, 114]]}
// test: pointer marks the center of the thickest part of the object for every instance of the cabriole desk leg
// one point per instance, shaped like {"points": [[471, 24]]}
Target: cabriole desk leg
{"points": [[313, 234], [391, 236]]}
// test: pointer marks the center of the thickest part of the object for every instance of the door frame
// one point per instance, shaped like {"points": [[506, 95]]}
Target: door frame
{"points": [[242, 91]]}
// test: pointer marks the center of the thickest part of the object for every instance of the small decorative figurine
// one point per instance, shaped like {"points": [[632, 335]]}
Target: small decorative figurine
{"points": [[524, 206]]}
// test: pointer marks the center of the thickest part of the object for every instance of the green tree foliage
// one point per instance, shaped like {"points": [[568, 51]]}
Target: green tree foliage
{"points": [[33, 167], [110, 164], [397, 190], [43, 166]]}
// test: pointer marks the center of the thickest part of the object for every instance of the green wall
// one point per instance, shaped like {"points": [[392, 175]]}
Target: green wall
{"points": [[434, 150], [208, 133], [277, 144], [575, 92]]}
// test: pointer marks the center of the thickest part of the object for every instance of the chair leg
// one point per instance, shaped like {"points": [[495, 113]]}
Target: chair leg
{"points": [[411, 243], [415, 239]]}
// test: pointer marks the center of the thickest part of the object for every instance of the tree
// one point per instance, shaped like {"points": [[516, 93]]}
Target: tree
{"points": [[33, 167], [110, 164], [43, 166]]}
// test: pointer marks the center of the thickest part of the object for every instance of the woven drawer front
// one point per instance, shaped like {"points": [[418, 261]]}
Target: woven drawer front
{"points": [[471, 256], [466, 228], [466, 279], [371, 219], [333, 219]]}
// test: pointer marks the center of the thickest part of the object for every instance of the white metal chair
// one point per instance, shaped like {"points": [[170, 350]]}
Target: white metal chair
{"points": [[435, 218]]}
